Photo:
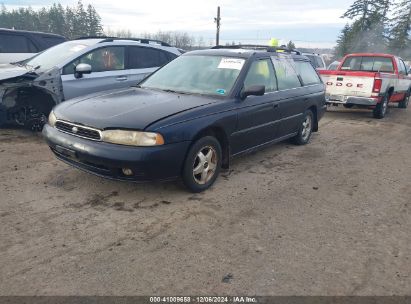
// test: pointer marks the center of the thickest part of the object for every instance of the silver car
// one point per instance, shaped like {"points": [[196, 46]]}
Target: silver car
{"points": [[29, 90]]}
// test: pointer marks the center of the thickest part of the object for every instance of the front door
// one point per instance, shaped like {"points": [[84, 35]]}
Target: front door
{"points": [[107, 72], [258, 116]]}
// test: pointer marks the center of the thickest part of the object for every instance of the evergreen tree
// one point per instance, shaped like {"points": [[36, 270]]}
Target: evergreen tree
{"points": [[400, 33], [80, 21], [94, 27], [344, 41], [291, 45], [369, 31]]}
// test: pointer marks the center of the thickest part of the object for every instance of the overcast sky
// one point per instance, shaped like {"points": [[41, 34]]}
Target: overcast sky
{"points": [[314, 23]]}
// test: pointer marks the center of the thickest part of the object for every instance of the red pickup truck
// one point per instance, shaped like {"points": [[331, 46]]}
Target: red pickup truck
{"points": [[368, 80]]}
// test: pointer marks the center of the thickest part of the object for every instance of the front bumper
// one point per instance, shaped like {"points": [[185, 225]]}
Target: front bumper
{"points": [[107, 160], [355, 100]]}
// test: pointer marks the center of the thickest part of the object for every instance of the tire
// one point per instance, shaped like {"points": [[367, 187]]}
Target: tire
{"points": [[204, 157], [348, 106], [306, 129], [403, 104], [381, 108]]}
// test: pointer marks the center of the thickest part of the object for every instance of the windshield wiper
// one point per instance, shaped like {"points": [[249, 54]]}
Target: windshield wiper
{"points": [[177, 92]]}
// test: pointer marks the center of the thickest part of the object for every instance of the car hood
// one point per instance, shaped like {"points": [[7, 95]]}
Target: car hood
{"points": [[132, 108], [9, 71]]}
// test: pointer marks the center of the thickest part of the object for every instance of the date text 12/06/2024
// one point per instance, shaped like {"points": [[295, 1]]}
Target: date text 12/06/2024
{"points": [[203, 299]]}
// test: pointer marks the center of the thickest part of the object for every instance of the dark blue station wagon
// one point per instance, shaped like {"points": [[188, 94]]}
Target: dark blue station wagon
{"points": [[190, 117]]}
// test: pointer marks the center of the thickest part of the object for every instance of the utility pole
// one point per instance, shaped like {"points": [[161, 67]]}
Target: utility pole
{"points": [[217, 20]]}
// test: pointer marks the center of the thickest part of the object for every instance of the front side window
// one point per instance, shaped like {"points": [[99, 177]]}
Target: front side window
{"points": [[286, 76], [101, 60], [368, 64], [261, 72], [307, 73], [197, 74], [401, 67]]}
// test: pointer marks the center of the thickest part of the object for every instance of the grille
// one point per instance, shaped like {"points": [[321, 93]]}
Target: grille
{"points": [[78, 130]]}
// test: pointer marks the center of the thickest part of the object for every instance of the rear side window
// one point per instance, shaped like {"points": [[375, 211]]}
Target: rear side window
{"points": [[16, 44], [286, 76], [308, 74], [368, 64], [261, 72], [144, 57]]}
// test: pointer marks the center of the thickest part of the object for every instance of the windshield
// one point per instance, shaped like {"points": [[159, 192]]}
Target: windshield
{"points": [[210, 75], [368, 63], [55, 55]]}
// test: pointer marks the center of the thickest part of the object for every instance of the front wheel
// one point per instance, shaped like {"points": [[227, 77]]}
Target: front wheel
{"points": [[306, 129], [381, 108], [403, 104], [202, 164]]}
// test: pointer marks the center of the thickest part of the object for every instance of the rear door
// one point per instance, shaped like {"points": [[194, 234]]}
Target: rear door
{"points": [[258, 116], [108, 72], [290, 93]]}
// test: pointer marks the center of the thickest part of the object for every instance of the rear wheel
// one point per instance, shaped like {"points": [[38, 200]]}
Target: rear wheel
{"points": [[403, 104], [306, 129], [381, 108], [202, 165]]}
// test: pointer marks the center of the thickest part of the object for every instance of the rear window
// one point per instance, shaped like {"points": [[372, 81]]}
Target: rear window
{"points": [[308, 75], [368, 64]]}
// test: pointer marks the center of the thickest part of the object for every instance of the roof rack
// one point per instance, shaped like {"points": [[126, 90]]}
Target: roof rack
{"points": [[141, 40], [259, 47]]}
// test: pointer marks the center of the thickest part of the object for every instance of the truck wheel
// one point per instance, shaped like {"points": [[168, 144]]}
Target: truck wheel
{"points": [[202, 164], [381, 108], [403, 104], [306, 129]]}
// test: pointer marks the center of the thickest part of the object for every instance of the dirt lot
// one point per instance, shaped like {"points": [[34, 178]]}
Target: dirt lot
{"points": [[329, 218]]}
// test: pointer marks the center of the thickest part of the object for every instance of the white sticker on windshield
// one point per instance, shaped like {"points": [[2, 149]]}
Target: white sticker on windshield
{"points": [[231, 63]]}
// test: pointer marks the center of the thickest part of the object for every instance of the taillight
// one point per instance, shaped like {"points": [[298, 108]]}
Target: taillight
{"points": [[377, 85]]}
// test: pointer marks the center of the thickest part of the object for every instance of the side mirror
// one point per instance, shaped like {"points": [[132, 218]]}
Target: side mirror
{"points": [[82, 68], [255, 90]]}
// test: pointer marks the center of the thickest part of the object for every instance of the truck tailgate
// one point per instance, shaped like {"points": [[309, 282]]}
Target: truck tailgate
{"points": [[338, 86]]}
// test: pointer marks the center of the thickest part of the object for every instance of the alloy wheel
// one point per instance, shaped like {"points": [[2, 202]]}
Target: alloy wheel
{"points": [[205, 164]]}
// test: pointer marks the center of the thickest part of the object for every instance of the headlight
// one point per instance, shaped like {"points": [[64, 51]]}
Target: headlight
{"points": [[52, 119], [132, 138]]}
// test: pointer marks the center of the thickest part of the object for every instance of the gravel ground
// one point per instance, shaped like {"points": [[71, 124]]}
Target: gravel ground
{"points": [[329, 218]]}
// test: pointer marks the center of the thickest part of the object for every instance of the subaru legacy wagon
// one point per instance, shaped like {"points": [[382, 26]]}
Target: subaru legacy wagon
{"points": [[189, 118]]}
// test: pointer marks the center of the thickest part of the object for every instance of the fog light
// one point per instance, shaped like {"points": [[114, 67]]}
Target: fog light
{"points": [[127, 171]]}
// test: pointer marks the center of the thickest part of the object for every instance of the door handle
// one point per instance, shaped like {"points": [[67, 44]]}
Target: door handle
{"points": [[121, 78], [275, 106]]}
